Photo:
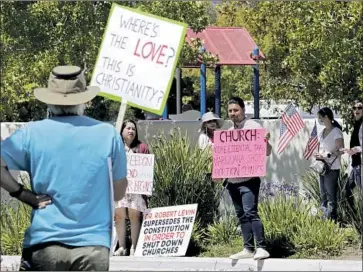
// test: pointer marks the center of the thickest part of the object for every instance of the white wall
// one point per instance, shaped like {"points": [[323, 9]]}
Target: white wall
{"points": [[286, 167], [281, 167]]}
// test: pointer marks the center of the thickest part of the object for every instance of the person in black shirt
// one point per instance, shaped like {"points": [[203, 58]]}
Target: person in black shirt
{"points": [[355, 150]]}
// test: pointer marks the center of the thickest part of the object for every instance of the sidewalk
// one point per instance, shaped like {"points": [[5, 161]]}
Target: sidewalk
{"points": [[10, 263]]}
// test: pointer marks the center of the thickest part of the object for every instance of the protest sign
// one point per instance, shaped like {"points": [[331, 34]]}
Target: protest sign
{"points": [[138, 57], [140, 173], [239, 153], [166, 231]]}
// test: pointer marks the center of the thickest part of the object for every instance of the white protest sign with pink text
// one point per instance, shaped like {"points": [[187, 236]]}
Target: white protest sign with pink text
{"points": [[166, 231], [239, 153], [140, 173], [137, 58]]}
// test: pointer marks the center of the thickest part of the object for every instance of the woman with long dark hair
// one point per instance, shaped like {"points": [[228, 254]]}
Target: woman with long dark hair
{"points": [[133, 204], [331, 141]]}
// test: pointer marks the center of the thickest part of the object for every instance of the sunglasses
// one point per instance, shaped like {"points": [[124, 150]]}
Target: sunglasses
{"points": [[358, 108]]}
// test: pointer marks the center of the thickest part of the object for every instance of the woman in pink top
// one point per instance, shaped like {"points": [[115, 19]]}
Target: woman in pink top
{"points": [[134, 204]]}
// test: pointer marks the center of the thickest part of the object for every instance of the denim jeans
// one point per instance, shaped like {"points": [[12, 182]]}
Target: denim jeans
{"points": [[354, 179], [60, 257], [245, 200], [328, 194]]}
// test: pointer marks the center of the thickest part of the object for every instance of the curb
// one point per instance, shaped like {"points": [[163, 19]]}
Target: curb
{"points": [[11, 263]]}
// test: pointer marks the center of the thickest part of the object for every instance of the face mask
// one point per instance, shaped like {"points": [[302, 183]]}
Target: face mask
{"points": [[212, 125]]}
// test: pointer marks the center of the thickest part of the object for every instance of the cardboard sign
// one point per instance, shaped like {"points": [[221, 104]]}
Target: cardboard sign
{"points": [[140, 173], [166, 231], [239, 153], [138, 57]]}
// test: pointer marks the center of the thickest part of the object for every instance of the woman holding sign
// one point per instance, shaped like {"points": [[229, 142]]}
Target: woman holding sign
{"points": [[134, 204], [244, 192]]}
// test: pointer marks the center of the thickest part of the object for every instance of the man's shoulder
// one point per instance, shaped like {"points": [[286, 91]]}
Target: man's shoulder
{"points": [[250, 123], [81, 123], [98, 123], [100, 126], [89, 120]]}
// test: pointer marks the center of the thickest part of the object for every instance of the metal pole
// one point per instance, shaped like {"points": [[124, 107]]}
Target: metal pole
{"points": [[256, 84], [203, 77], [217, 93], [178, 90]]}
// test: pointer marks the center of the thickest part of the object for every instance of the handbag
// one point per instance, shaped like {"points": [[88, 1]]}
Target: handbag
{"points": [[321, 166]]}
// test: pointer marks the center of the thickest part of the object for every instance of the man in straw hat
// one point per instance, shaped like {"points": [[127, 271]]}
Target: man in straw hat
{"points": [[67, 157]]}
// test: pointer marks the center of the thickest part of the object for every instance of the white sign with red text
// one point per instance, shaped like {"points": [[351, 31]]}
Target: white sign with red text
{"points": [[140, 173], [137, 58], [166, 231]]}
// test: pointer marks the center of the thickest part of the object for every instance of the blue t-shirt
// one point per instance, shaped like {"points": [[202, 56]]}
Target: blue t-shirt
{"points": [[67, 159]]}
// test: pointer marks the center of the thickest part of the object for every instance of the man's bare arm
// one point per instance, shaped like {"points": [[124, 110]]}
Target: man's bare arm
{"points": [[18, 191], [119, 189], [7, 180]]}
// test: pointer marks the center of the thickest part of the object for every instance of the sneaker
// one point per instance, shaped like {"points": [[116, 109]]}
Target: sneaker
{"points": [[261, 254], [120, 252], [244, 254]]}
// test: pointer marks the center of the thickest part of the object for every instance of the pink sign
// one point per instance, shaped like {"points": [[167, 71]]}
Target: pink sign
{"points": [[239, 153]]}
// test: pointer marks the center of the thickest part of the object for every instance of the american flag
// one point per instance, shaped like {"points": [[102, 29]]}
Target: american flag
{"points": [[291, 123], [312, 143]]}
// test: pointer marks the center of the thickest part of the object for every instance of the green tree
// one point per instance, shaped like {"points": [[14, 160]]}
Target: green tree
{"points": [[313, 50], [36, 36]]}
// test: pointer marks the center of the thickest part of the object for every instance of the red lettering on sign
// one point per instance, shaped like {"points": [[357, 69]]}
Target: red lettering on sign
{"points": [[151, 51], [132, 173]]}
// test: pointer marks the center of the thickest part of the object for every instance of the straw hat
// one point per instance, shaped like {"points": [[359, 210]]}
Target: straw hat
{"points": [[66, 86], [209, 116]]}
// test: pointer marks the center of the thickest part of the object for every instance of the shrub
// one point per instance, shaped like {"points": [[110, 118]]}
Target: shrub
{"points": [[223, 250], [271, 188], [182, 176], [350, 215], [291, 229], [15, 219], [354, 212], [223, 230]]}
